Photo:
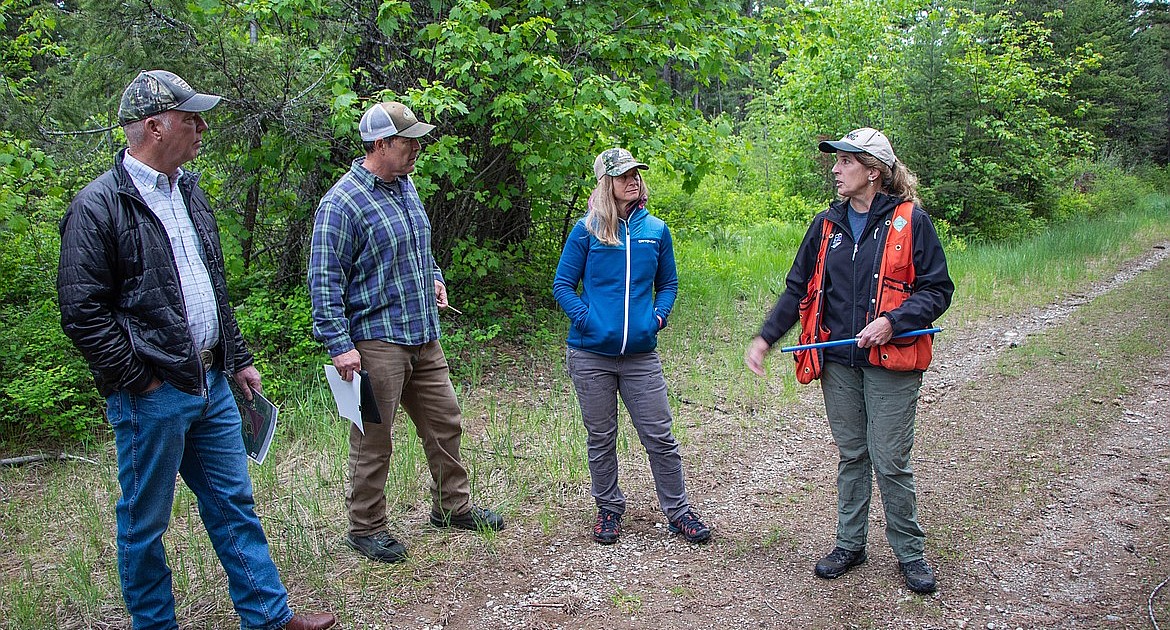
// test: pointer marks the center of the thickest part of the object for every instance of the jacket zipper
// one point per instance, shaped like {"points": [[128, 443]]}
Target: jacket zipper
{"points": [[853, 263], [202, 379], [626, 316], [853, 283]]}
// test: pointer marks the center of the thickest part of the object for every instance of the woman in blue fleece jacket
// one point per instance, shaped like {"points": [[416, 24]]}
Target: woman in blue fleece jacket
{"points": [[623, 260]]}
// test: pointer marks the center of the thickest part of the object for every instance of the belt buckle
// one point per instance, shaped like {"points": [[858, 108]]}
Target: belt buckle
{"points": [[208, 359]]}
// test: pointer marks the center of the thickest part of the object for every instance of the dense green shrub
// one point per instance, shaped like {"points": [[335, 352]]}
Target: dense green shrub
{"points": [[505, 288], [722, 201], [1158, 177], [278, 331], [47, 389], [1116, 190]]}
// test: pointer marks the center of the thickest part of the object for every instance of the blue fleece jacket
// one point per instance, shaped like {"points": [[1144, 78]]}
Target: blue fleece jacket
{"points": [[625, 289]]}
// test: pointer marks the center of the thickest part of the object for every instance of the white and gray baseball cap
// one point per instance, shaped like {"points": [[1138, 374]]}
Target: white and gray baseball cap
{"points": [[864, 140], [391, 119]]}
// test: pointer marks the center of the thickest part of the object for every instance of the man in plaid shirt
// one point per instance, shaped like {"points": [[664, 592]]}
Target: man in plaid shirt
{"points": [[376, 293]]}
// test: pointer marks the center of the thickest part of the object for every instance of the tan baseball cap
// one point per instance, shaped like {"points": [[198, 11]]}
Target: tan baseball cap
{"points": [[864, 140], [391, 119]]}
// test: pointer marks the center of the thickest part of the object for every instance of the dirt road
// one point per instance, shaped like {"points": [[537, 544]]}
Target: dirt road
{"points": [[1043, 464]]}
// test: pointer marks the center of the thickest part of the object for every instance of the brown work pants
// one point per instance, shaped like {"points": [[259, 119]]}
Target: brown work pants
{"points": [[417, 378]]}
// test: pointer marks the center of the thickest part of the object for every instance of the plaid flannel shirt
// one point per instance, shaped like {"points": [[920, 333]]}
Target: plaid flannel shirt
{"points": [[371, 272]]}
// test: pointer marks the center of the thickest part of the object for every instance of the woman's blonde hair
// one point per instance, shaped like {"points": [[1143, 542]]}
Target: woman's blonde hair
{"points": [[602, 218], [898, 181]]}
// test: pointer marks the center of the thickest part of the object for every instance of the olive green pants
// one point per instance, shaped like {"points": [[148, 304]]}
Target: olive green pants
{"points": [[871, 413]]}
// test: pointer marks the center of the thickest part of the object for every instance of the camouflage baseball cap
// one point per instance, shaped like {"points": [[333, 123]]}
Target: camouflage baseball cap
{"points": [[614, 162], [156, 91]]}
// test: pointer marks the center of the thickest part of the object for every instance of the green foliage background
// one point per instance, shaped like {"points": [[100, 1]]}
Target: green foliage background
{"points": [[1014, 116]]}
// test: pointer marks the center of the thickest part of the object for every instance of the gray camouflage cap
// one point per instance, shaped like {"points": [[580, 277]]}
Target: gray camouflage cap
{"points": [[156, 91], [614, 162]]}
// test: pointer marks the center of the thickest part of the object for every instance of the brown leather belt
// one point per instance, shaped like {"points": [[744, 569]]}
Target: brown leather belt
{"points": [[208, 359]]}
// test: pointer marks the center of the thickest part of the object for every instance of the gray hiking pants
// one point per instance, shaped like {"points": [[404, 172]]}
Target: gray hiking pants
{"points": [[638, 378]]}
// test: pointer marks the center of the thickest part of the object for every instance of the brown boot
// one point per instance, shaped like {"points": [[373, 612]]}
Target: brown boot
{"points": [[312, 621]]}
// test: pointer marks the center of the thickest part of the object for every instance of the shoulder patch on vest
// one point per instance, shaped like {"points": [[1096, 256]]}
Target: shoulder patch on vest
{"points": [[899, 223]]}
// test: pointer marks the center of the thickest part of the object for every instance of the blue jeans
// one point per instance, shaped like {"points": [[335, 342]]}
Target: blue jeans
{"points": [[638, 378], [165, 432]]}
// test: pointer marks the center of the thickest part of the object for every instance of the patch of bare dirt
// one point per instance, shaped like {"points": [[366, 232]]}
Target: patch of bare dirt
{"points": [[1029, 526]]}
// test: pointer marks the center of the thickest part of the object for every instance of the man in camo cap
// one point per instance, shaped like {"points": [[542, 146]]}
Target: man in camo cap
{"points": [[143, 297], [156, 91]]}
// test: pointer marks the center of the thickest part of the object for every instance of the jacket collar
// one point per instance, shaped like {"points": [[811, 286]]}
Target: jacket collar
{"points": [[636, 209], [125, 185], [882, 205]]}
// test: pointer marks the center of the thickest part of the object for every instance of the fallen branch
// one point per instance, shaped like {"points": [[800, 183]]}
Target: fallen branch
{"points": [[1150, 602], [984, 562], [29, 459]]}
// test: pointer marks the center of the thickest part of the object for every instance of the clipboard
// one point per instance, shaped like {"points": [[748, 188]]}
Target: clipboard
{"points": [[355, 398], [367, 404]]}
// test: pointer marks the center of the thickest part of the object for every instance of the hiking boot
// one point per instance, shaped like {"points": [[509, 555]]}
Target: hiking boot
{"points": [[474, 520], [381, 547], [608, 526], [919, 576], [838, 562], [312, 621], [690, 527]]}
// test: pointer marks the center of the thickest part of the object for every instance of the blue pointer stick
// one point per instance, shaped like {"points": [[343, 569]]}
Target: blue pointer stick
{"points": [[845, 342]]}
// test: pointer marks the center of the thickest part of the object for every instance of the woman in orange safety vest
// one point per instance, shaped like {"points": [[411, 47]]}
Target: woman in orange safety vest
{"points": [[870, 267]]}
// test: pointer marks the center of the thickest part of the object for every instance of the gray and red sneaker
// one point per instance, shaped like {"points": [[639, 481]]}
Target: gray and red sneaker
{"points": [[691, 528], [608, 526]]}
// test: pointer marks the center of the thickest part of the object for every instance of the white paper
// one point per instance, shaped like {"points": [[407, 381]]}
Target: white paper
{"points": [[347, 395]]}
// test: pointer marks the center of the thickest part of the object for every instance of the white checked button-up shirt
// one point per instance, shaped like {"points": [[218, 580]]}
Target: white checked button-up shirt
{"points": [[165, 199]]}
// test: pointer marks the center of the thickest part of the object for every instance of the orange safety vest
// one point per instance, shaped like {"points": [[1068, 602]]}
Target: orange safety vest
{"points": [[895, 283], [808, 362]]}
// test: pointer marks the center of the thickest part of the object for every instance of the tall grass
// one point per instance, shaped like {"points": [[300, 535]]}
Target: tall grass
{"points": [[1005, 277], [524, 445]]}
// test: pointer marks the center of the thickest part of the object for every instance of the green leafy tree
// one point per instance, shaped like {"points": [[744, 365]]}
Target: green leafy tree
{"points": [[527, 94], [1150, 127], [834, 70], [1119, 96], [975, 119], [965, 96]]}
